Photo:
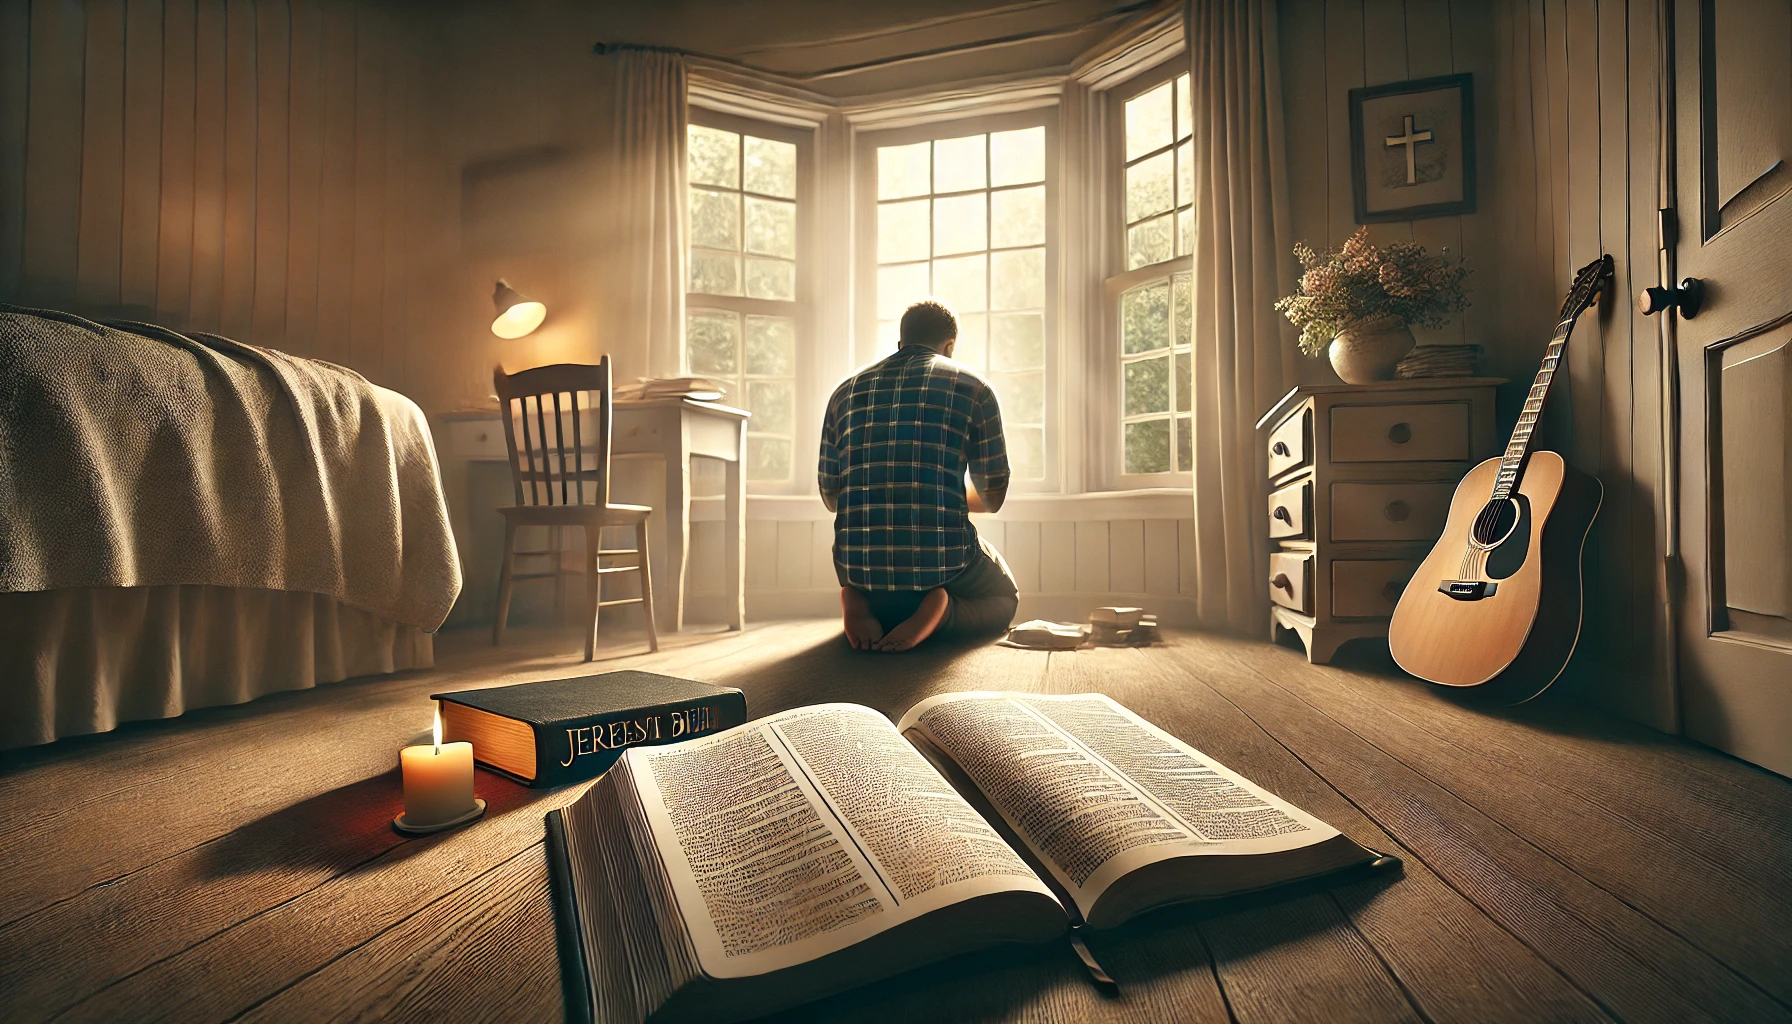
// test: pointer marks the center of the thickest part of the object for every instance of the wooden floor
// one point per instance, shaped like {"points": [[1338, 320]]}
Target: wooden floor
{"points": [[1560, 865]]}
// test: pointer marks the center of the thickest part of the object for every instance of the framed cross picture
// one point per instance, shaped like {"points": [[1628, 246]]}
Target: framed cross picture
{"points": [[1412, 148]]}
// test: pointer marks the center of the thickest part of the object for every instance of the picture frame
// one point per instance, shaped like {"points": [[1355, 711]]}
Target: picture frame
{"points": [[1424, 165]]}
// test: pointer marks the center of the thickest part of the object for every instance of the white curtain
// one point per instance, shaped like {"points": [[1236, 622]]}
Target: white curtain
{"points": [[1243, 349], [644, 271]]}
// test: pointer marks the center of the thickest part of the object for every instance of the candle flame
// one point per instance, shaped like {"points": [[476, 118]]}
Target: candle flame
{"points": [[438, 728]]}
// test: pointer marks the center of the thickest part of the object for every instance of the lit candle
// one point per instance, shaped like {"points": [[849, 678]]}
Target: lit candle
{"points": [[438, 781]]}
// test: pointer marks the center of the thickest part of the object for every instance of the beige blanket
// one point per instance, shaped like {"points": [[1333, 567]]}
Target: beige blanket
{"points": [[133, 456]]}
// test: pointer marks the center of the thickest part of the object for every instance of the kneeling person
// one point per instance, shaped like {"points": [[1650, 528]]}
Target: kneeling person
{"points": [[897, 441]]}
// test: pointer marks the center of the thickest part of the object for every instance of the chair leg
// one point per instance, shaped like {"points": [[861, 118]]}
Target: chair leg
{"points": [[504, 574], [557, 543], [653, 636], [594, 584]]}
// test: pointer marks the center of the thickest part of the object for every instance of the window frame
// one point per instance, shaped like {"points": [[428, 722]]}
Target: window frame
{"points": [[1108, 399], [804, 436], [868, 347]]}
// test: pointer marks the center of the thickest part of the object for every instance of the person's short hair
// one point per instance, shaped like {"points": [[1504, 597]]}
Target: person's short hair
{"points": [[928, 323]]}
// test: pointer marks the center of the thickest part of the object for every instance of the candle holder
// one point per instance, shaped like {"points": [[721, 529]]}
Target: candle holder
{"points": [[438, 786], [407, 828]]}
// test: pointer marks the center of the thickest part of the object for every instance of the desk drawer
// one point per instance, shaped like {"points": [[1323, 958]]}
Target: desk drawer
{"points": [[1291, 443], [1400, 433], [473, 439], [1394, 511], [1291, 580], [1369, 588], [1291, 511]]}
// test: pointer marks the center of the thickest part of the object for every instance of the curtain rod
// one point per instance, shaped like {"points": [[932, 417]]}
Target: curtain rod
{"points": [[846, 69]]}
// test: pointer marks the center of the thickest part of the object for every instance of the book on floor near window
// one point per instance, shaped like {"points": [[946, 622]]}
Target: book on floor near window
{"points": [[556, 731], [822, 848]]}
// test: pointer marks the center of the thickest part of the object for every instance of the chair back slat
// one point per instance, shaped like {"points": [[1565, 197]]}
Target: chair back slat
{"points": [[557, 466]]}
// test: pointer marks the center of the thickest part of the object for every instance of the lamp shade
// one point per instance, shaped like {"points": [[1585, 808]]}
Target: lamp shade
{"points": [[517, 314]]}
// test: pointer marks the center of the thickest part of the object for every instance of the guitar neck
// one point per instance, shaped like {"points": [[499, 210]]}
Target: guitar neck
{"points": [[1519, 447]]}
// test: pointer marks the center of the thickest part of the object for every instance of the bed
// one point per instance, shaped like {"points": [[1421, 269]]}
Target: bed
{"points": [[188, 521]]}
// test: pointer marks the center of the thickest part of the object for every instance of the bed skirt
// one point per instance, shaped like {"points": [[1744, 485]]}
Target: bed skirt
{"points": [[82, 660]]}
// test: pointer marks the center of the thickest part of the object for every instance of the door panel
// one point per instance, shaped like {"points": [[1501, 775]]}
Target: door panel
{"points": [[1733, 187]]}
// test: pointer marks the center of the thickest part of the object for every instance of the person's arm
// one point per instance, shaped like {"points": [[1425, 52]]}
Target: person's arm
{"points": [[827, 466], [986, 477]]}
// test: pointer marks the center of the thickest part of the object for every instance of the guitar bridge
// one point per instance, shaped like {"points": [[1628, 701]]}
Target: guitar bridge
{"points": [[1467, 590]]}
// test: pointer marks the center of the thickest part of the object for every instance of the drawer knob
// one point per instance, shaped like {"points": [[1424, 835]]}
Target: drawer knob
{"points": [[1281, 513], [1397, 511], [1279, 448], [1391, 592], [482, 437], [1282, 581], [1400, 433]]}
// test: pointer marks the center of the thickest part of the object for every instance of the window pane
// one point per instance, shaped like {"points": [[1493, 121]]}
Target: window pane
{"points": [[770, 167], [1017, 217], [1185, 174], [1148, 386], [898, 286], [771, 346], [715, 219], [771, 279], [713, 157], [1026, 451], [768, 458], [771, 227], [1017, 341], [1185, 232], [1148, 447], [1148, 243], [712, 341], [902, 231], [960, 283], [888, 332], [1145, 318], [1017, 279], [958, 164], [1185, 380], [1017, 157], [1148, 122], [773, 405], [972, 348], [1185, 451], [1022, 396], [1148, 187], [1183, 109], [959, 224], [902, 170], [715, 273], [1182, 326]]}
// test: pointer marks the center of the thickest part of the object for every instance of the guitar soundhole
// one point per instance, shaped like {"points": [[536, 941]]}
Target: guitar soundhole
{"points": [[1495, 522]]}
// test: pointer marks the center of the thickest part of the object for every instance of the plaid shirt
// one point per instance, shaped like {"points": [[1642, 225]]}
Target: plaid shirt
{"points": [[895, 443]]}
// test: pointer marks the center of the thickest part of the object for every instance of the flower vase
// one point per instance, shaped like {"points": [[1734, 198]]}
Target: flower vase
{"points": [[1368, 351]]}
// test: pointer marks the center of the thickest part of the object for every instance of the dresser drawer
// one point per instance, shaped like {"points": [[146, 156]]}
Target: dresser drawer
{"points": [[1291, 580], [473, 439], [1400, 433], [1291, 443], [1291, 511], [1370, 587], [1393, 511]]}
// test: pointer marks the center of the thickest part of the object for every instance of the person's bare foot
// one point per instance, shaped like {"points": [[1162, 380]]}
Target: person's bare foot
{"points": [[916, 627], [862, 628]]}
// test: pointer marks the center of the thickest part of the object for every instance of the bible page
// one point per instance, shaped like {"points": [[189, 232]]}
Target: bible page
{"points": [[803, 833], [1095, 791]]}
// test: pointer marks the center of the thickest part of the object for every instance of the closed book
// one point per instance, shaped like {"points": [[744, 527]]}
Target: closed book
{"points": [[556, 731]]}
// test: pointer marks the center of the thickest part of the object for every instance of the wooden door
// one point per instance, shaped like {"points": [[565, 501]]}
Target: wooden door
{"points": [[1732, 179]]}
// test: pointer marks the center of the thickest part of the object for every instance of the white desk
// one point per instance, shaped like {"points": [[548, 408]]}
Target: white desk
{"points": [[674, 429]]}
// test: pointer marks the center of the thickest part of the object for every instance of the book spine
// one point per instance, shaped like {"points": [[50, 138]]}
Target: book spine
{"points": [[584, 748], [575, 981]]}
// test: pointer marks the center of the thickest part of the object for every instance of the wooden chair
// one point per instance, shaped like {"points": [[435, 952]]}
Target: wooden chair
{"points": [[559, 486]]}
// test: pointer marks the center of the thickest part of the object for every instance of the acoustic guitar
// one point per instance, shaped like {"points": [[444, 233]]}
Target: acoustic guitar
{"points": [[1497, 603]]}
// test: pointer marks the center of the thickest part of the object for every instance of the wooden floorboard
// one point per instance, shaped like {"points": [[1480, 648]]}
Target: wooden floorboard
{"points": [[1561, 865]]}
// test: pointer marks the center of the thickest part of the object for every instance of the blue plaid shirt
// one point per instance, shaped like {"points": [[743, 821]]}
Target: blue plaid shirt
{"points": [[895, 443]]}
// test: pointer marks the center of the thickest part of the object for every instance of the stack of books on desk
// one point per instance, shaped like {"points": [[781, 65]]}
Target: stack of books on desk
{"points": [[703, 389]]}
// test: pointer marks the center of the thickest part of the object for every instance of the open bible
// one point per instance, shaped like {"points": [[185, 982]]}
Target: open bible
{"points": [[822, 848]]}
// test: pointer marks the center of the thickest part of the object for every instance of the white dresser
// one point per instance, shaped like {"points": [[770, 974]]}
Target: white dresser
{"points": [[1360, 481]]}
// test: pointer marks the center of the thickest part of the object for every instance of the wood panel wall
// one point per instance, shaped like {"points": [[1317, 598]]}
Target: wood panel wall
{"points": [[264, 169], [1565, 111]]}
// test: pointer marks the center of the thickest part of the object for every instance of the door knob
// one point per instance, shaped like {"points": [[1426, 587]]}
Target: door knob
{"points": [[1687, 298]]}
